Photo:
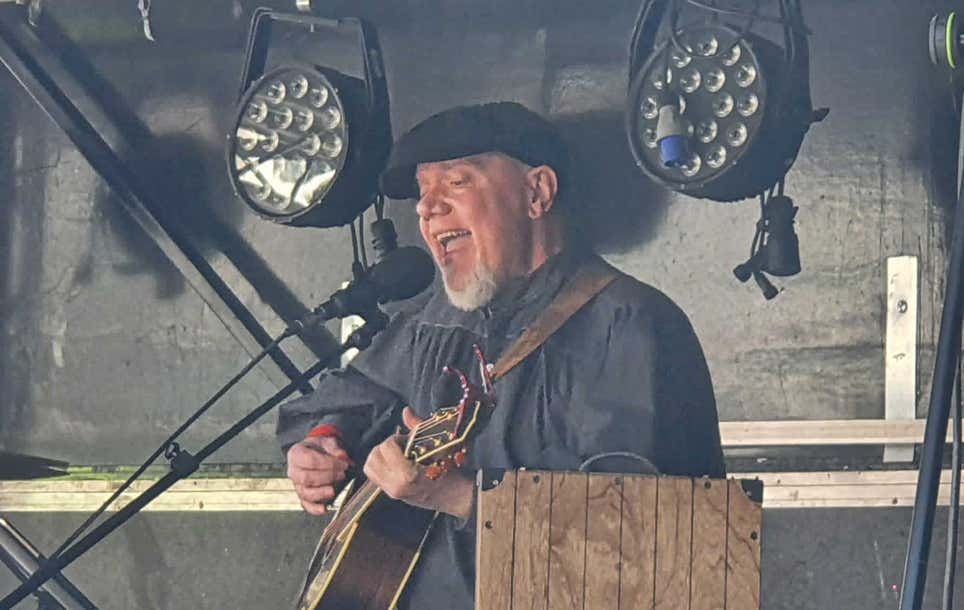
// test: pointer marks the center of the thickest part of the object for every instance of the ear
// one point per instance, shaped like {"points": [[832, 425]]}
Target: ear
{"points": [[543, 184]]}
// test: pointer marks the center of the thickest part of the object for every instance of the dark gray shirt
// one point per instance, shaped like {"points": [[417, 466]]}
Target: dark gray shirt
{"points": [[625, 374]]}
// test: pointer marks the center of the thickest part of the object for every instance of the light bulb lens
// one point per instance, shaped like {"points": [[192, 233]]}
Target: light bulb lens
{"points": [[736, 134], [706, 131], [649, 108], [716, 156], [275, 92], [690, 80], [745, 75], [723, 105], [691, 166], [714, 81], [747, 104]]}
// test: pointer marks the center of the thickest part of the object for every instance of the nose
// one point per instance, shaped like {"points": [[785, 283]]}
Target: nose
{"points": [[430, 203]]}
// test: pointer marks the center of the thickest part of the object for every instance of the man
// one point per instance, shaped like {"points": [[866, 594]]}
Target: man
{"points": [[625, 374]]}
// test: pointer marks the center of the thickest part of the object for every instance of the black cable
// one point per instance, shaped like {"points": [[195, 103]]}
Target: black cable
{"points": [[752, 18], [361, 240], [760, 225], [673, 24], [954, 510], [644, 9], [167, 444], [354, 243], [953, 515], [735, 12], [790, 52], [380, 207]]}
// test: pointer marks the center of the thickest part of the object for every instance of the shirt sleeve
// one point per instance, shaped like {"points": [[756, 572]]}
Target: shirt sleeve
{"points": [[363, 400]]}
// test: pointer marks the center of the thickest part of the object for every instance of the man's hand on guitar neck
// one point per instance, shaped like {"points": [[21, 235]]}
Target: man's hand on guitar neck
{"points": [[315, 465], [404, 480]]}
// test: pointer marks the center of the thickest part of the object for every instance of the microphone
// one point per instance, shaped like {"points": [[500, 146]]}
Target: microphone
{"points": [[401, 274]]}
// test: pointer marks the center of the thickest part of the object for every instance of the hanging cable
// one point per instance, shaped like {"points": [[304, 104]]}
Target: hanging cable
{"points": [[673, 25], [380, 207], [354, 243], [361, 240], [732, 12]]}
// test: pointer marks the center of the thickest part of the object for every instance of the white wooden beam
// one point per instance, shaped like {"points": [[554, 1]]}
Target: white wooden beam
{"points": [[900, 350], [879, 489], [822, 432]]}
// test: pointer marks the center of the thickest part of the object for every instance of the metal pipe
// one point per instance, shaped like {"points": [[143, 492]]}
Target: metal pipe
{"points": [[23, 559], [945, 368], [205, 281]]}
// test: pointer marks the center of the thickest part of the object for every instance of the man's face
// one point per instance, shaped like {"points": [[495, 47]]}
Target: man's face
{"points": [[473, 216]]}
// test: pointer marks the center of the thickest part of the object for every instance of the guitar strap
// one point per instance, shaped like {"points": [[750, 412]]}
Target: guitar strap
{"points": [[589, 280]]}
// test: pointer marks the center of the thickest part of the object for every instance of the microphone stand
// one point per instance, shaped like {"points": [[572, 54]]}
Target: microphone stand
{"points": [[183, 464]]}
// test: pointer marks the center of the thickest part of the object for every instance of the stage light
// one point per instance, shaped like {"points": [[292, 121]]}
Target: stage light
{"points": [[736, 105], [946, 43], [308, 141], [280, 168]]}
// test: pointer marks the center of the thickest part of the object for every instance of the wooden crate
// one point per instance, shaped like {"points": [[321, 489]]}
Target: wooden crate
{"points": [[578, 541]]}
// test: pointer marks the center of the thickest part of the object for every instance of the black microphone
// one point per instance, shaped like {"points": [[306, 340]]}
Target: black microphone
{"points": [[401, 274]]}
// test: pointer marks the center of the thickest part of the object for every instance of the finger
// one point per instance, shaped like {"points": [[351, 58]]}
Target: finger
{"points": [[410, 419], [388, 468], [312, 508], [315, 495], [374, 465], [305, 456], [328, 445], [332, 446], [315, 478], [391, 452]]}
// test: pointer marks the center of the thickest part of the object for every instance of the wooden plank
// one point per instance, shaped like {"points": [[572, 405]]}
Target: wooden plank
{"points": [[708, 572], [742, 550], [900, 350], [866, 489], [674, 522], [638, 543], [221, 494], [604, 507], [530, 575], [567, 541], [822, 432], [495, 514]]}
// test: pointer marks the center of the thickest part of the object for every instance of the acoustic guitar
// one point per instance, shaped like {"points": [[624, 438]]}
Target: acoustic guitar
{"points": [[369, 549]]}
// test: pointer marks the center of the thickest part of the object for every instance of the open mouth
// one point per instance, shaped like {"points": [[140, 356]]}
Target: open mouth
{"points": [[449, 239]]}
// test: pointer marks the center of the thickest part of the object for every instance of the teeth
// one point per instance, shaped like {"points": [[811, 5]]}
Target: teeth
{"points": [[447, 236]]}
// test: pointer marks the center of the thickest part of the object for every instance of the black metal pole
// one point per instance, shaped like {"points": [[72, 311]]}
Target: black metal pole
{"points": [[18, 554], [183, 465], [935, 433], [136, 198], [953, 511]]}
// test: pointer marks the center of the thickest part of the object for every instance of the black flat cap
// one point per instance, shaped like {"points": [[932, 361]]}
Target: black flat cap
{"points": [[505, 127]]}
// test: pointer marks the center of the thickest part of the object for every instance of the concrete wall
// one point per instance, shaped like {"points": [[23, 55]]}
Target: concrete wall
{"points": [[105, 349]]}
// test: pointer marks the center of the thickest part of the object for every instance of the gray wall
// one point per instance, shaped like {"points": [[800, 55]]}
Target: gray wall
{"points": [[105, 349]]}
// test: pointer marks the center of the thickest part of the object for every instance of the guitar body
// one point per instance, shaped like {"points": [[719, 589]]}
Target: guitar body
{"points": [[366, 555]]}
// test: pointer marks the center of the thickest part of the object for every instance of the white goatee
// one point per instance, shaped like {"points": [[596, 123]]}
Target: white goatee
{"points": [[478, 290]]}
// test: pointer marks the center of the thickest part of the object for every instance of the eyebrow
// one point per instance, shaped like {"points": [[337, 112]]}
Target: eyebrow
{"points": [[454, 165]]}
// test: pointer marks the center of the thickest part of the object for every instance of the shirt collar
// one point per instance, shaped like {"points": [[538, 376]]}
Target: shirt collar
{"points": [[535, 288]]}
